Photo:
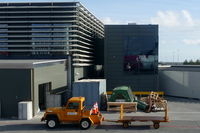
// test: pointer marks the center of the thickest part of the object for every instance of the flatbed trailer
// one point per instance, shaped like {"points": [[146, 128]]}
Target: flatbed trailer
{"points": [[126, 120]]}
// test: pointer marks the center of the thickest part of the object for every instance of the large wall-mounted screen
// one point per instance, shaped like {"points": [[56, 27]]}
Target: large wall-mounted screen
{"points": [[141, 54]]}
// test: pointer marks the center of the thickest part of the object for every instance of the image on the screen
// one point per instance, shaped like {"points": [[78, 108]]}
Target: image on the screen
{"points": [[140, 54]]}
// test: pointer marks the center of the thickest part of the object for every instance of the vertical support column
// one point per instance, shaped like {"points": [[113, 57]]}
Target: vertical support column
{"points": [[69, 76], [0, 109], [33, 98], [166, 112], [121, 111]]}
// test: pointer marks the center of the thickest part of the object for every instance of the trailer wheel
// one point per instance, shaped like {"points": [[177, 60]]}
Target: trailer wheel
{"points": [[156, 125], [85, 124], [52, 123], [125, 124]]}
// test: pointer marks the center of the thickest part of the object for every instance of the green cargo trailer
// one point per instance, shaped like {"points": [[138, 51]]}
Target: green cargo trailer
{"points": [[125, 93], [122, 92]]}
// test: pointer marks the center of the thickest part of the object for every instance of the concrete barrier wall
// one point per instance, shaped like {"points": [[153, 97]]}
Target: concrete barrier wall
{"points": [[52, 100], [180, 83]]}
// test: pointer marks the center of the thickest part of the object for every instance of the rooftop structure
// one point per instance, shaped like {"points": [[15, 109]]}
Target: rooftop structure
{"points": [[27, 64]]}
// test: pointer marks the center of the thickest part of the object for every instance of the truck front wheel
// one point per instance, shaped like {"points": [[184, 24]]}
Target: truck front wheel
{"points": [[52, 123], [85, 124]]}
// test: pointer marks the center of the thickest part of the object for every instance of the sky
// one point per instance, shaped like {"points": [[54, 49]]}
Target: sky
{"points": [[178, 20]]}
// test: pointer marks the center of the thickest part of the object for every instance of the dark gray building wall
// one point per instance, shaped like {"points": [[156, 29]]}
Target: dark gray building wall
{"points": [[180, 82], [99, 51], [114, 57], [15, 87], [56, 75]]}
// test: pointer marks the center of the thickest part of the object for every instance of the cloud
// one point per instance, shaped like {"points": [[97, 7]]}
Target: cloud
{"points": [[108, 20], [188, 17], [167, 18], [191, 42], [173, 19]]}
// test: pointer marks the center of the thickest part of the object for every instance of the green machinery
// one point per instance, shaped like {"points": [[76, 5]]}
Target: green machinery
{"points": [[124, 93]]}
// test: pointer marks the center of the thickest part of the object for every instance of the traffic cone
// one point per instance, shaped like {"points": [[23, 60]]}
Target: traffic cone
{"points": [[95, 109]]}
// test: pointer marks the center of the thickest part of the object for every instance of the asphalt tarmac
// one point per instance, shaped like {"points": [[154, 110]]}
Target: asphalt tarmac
{"points": [[184, 117]]}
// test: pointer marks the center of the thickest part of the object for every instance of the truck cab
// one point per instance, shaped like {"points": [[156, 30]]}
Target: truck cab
{"points": [[73, 112]]}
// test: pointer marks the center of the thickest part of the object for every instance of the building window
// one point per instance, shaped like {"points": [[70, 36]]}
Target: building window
{"points": [[3, 34], [3, 39], [61, 24], [3, 48], [41, 24], [3, 25], [60, 38], [41, 29], [3, 29], [44, 34], [55, 29], [41, 38], [57, 33]]}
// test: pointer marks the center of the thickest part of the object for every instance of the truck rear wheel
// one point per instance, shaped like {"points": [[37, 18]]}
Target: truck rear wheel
{"points": [[126, 124], [52, 123], [156, 125], [85, 124]]}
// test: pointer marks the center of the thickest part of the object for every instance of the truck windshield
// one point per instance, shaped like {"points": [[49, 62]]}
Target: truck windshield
{"points": [[73, 105]]}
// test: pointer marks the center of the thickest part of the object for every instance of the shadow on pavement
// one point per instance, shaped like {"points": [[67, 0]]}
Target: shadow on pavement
{"points": [[119, 127], [28, 127], [68, 127], [183, 100]]}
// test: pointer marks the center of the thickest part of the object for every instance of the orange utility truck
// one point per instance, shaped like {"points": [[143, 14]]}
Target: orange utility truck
{"points": [[73, 112]]}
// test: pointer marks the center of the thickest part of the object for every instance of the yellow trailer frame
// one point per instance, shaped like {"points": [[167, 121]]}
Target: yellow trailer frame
{"points": [[126, 120], [161, 93]]}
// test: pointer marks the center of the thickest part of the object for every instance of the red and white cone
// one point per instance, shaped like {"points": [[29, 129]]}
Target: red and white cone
{"points": [[95, 109]]}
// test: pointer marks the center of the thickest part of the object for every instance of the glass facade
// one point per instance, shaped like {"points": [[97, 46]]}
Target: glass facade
{"points": [[3, 38]]}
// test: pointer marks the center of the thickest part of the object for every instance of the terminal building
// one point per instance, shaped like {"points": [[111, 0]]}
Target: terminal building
{"points": [[131, 56], [49, 45], [36, 41], [49, 30]]}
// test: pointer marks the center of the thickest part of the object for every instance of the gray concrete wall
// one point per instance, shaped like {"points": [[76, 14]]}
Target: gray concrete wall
{"points": [[80, 72], [114, 58], [55, 74], [180, 83], [15, 87], [53, 100]]}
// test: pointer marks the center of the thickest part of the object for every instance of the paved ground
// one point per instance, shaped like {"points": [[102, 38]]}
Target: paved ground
{"points": [[184, 115]]}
